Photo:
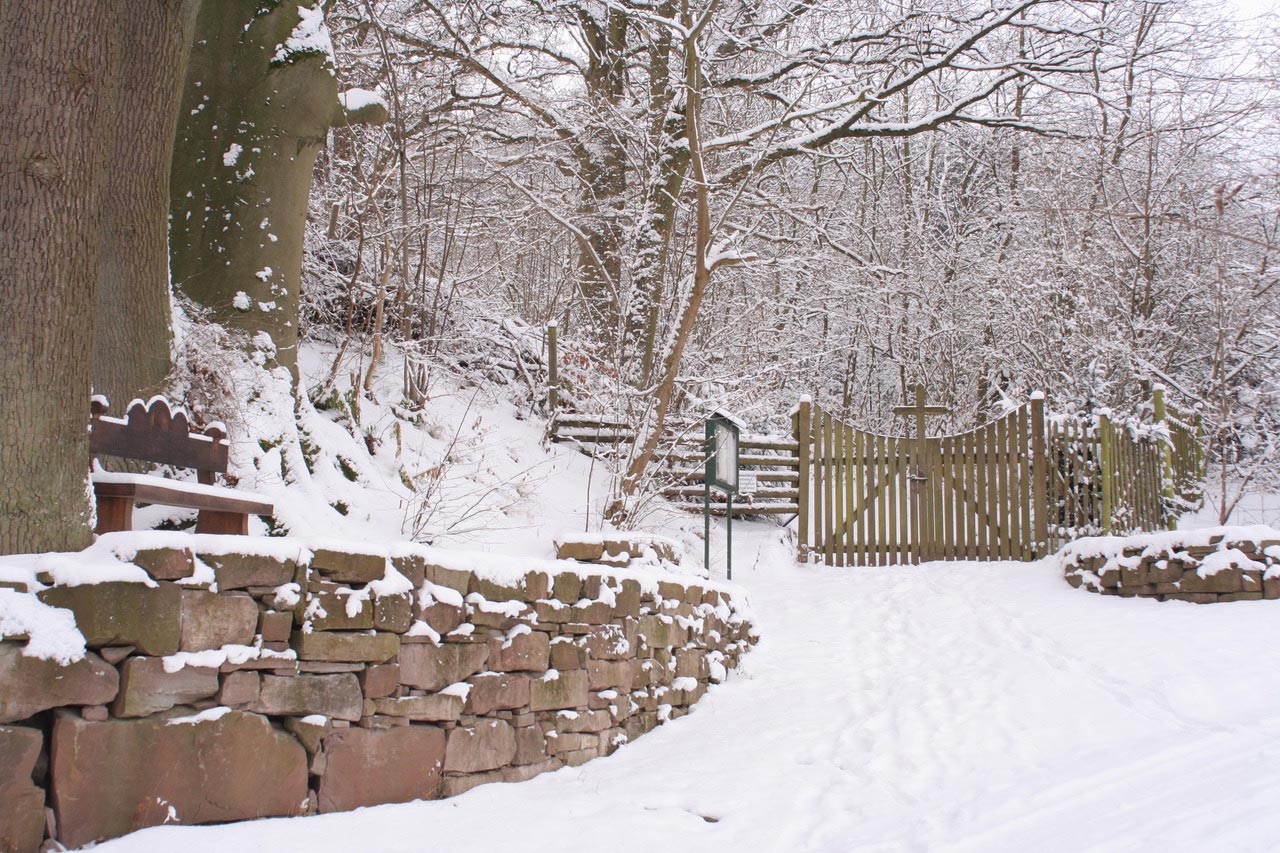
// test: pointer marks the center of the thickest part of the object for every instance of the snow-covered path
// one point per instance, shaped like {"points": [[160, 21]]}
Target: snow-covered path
{"points": [[944, 707]]}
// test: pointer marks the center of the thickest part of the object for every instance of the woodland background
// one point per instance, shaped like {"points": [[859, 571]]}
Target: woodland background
{"points": [[720, 202]]}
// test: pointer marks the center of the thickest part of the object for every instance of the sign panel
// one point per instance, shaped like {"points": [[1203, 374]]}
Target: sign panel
{"points": [[722, 453]]}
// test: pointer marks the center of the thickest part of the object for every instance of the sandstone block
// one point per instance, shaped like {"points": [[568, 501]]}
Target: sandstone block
{"points": [[527, 770], [583, 552], [487, 745], [212, 620], [345, 567], [118, 776], [412, 567], [610, 642], [536, 585], [146, 687], [309, 731], [502, 617], [30, 685], [1240, 596], [393, 612], [522, 653], [1139, 576], [165, 564], [660, 631], [671, 590], [241, 571], [330, 607], [567, 654], [582, 721], [1109, 577], [121, 614], [435, 708], [558, 744], [567, 587], [494, 591], [610, 674], [456, 784], [432, 667], [239, 688], [379, 680], [566, 690], [21, 802], [692, 663], [455, 579], [1227, 580], [1193, 597], [531, 745], [367, 767], [1271, 588], [442, 617], [591, 613], [348, 646], [627, 599], [336, 696], [275, 626], [496, 691], [551, 612]]}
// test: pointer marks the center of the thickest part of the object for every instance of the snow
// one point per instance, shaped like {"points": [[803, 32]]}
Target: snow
{"points": [[242, 302], [170, 482], [232, 154], [202, 717], [309, 36], [357, 99], [51, 631], [961, 706]]}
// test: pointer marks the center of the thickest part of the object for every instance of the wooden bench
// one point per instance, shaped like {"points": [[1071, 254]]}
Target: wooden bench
{"points": [[151, 432]]}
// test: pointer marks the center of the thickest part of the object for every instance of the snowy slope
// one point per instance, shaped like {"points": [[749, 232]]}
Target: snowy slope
{"points": [[944, 707]]}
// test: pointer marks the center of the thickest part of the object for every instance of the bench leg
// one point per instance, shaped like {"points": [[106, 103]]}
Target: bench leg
{"points": [[215, 521], [114, 514]]}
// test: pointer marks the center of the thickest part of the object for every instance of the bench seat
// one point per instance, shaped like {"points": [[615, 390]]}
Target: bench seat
{"points": [[222, 510]]}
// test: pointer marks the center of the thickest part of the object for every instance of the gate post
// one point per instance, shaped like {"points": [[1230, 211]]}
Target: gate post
{"points": [[1106, 464], [801, 420], [1039, 478], [1166, 458], [553, 367]]}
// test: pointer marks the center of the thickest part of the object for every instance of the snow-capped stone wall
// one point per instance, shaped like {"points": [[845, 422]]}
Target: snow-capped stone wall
{"points": [[169, 677], [1202, 566]]}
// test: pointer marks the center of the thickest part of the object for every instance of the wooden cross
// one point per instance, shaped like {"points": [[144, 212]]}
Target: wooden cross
{"points": [[921, 411]]}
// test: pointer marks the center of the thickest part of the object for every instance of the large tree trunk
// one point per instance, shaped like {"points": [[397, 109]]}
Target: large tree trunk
{"points": [[58, 81], [131, 357], [259, 101]]}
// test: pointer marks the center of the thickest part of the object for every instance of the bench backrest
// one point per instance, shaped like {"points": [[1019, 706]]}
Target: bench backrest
{"points": [[152, 432]]}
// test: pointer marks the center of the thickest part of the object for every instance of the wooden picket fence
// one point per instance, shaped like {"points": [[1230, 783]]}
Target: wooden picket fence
{"points": [[1013, 489]]}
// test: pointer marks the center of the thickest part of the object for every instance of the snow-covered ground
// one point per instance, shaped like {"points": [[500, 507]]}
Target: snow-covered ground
{"points": [[943, 707]]}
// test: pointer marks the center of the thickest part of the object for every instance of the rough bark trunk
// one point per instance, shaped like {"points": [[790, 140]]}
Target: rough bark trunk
{"points": [[603, 171], [58, 82], [131, 357], [259, 101]]}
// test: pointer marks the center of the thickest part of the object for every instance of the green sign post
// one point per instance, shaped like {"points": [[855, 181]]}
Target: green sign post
{"points": [[721, 472]]}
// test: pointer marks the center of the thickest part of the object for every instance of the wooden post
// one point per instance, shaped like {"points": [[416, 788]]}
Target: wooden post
{"points": [[919, 501], [1039, 478], [1106, 464], [1166, 459], [553, 368], [804, 439]]}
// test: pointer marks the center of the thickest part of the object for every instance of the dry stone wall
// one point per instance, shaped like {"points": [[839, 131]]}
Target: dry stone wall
{"points": [[1200, 566], [244, 678]]}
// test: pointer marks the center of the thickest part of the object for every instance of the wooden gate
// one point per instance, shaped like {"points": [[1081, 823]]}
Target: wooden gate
{"points": [[1013, 489], [879, 500]]}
